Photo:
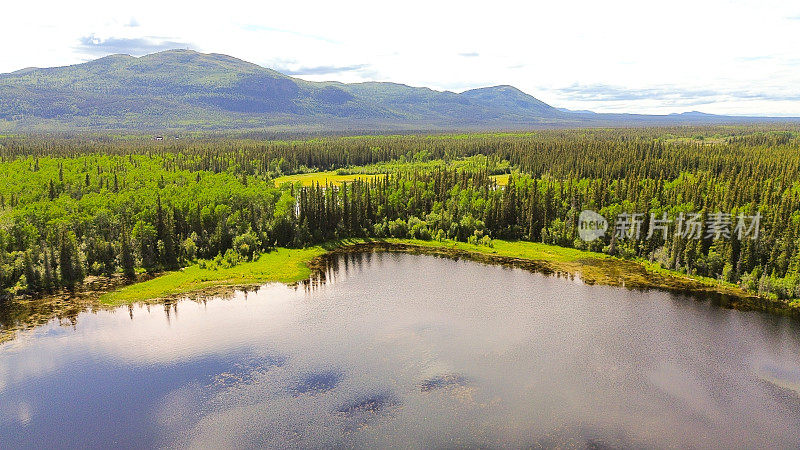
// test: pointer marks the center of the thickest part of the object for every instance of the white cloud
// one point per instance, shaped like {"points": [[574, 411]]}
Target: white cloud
{"points": [[690, 46]]}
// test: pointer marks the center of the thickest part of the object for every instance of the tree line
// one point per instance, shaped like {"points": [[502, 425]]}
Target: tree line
{"points": [[76, 207]]}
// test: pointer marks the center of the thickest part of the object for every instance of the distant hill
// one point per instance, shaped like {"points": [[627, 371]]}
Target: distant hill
{"points": [[184, 89]]}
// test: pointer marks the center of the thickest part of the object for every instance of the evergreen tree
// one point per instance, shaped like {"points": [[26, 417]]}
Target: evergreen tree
{"points": [[69, 261], [49, 283], [126, 258], [31, 274]]}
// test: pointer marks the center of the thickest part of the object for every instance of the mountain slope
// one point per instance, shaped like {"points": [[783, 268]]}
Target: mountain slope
{"points": [[186, 89], [183, 89]]}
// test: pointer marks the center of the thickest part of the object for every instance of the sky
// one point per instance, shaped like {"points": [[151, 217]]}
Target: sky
{"points": [[655, 57]]}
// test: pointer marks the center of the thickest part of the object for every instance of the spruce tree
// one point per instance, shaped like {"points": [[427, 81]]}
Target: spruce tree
{"points": [[127, 261], [49, 283]]}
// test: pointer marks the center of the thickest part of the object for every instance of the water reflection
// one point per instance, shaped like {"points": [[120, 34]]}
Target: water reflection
{"points": [[317, 382], [348, 262], [387, 349]]}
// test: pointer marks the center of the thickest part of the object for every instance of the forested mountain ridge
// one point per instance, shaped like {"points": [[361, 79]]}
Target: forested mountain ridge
{"points": [[187, 90]]}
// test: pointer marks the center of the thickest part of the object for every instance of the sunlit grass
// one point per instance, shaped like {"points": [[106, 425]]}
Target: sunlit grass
{"points": [[281, 265], [322, 178], [513, 249], [291, 265], [501, 180]]}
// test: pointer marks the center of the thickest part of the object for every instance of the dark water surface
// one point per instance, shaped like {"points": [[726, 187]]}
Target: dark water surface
{"points": [[409, 350]]}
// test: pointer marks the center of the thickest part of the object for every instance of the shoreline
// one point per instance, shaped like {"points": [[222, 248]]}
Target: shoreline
{"points": [[592, 268], [607, 271], [293, 266]]}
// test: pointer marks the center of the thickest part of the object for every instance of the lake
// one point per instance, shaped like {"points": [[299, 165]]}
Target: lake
{"points": [[412, 350]]}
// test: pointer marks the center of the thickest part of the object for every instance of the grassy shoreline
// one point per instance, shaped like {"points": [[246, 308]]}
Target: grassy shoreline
{"points": [[294, 265], [281, 265]]}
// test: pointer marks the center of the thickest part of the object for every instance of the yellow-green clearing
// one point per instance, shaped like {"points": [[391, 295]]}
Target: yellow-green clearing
{"points": [[501, 180], [322, 178]]}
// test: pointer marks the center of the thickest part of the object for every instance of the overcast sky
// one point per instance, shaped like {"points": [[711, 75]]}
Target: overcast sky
{"points": [[727, 57]]}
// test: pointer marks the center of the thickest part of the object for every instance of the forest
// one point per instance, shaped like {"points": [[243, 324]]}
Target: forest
{"points": [[100, 205]]}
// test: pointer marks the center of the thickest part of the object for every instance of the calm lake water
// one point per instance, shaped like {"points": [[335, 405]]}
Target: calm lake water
{"points": [[411, 350]]}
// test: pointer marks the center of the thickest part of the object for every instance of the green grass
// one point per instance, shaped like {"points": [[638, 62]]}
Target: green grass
{"points": [[369, 171], [282, 265], [322, 178], [513, 249], [708, 281], [291, 265], [501, 180]]}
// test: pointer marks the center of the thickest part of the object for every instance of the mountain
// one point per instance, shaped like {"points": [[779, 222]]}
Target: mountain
{"points": [[184, 89]]}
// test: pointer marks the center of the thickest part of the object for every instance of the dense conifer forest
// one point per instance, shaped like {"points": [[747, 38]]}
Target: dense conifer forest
{"points": [[102, 205]]}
